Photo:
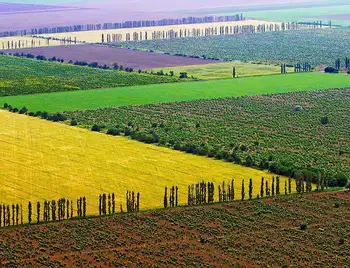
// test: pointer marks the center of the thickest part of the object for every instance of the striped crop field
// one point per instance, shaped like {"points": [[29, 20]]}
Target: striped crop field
{"points": [[146, 33], [41, 161]]}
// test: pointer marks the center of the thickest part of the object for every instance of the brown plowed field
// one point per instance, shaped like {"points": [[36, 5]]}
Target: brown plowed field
{"points": [[240, 234], [109, 55]]}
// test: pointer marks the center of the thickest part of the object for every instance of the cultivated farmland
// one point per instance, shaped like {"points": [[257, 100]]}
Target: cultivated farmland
{"points": [[250, 234], [314, 46], [168, 32], [110, 55], [138, 95], [45, 161], [252, 130], [224, 70], [21, 76]]}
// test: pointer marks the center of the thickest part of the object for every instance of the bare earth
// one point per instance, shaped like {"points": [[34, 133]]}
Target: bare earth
{"points": [[240, 234], [108, 55]]}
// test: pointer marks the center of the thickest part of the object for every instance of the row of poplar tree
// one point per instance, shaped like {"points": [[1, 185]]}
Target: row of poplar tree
{"points": [[107, 203], [11, 215], [200, 193], [203, 193]]}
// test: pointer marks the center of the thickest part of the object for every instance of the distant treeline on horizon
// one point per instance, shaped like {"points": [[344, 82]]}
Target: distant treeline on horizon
{"points": [[121, 25]]}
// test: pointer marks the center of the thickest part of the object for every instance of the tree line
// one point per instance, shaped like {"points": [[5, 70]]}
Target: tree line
{"points": [[123, 25], [107, 38], [64, 209], [197, 194]]}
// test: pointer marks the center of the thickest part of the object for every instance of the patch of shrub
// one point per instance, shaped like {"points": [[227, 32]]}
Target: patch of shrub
{"points": [[324, 120], [331, 70], [113, 132], [303, 226], [95, 128]]}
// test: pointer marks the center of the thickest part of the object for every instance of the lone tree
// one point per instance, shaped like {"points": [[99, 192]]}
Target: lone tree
{"points": [[324, 120]]}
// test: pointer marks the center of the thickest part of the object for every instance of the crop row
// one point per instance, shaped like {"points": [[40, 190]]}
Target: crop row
{"points": [[21, 76], [319, 46], [283, 133]]}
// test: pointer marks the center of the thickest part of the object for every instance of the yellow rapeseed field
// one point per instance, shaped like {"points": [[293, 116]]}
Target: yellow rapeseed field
{"points": [[41, 160]]}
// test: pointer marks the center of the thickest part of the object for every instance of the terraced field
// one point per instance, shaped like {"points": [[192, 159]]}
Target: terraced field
{"points": [[41, 161], [174, 92]]}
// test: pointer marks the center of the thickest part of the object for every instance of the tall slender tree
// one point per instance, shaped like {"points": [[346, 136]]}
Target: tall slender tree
{"points": [[113, 203], [277, 185], [13, 214], [165, 201], [289, 185], [243, 191], [53, 210], [109, 204], [21, 214], [29, 212], [285, 188], [84, 206], [176, 196], [17, 213], [262, 187], [250, 189], [8, 212], [38, 212]]}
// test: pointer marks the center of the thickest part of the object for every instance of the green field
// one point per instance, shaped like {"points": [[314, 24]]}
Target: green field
{"points": [[113, 97], [22, 76], [224, 70]]}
